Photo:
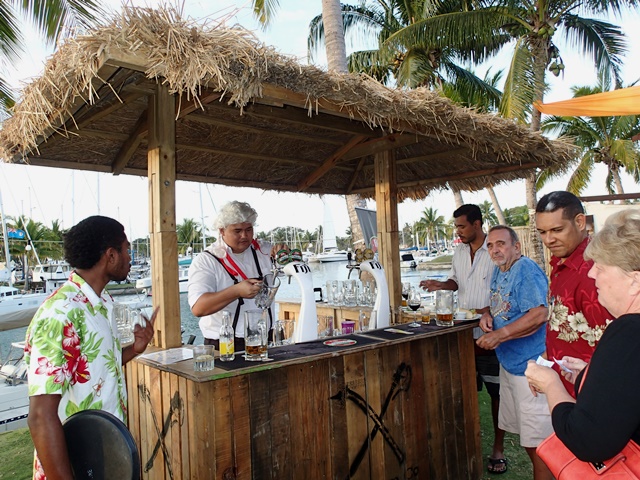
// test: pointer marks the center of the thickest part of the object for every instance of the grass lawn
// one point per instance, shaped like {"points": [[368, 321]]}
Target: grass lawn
{"points": [[519, 466], [16, 455], [16, 451]]}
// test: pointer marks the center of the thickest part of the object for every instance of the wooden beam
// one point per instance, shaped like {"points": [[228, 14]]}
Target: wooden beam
{"points": [[329, 163], [220, 122], [132, 143], [300, 116], [386, 194], [461, 176], [375, 145], [474, 174], [192, 105], [356, 172], [607, 198], [249, 156], [433, 156], [162, 217]]}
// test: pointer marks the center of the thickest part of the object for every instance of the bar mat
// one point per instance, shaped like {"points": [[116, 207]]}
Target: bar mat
{"points": [[383, 333], [301, 350]]}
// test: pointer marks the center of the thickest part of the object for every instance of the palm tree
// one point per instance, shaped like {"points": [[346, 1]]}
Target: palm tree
{"points": [[517, 216], [189, 233], [483, 104], [604, 140], [264, 10], [431, 225], [52, 18], [488, 215], [530, 27], [406, 64]]}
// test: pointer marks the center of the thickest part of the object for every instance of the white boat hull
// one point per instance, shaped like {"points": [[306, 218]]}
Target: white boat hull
{"points": [[332, 256], [18, 310], [14, 406]]}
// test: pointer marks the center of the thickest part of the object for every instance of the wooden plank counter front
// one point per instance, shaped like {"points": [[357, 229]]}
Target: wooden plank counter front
{"points": [[398, 409]]}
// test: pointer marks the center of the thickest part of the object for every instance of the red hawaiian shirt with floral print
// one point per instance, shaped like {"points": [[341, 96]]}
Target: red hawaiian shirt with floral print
{"points": [[577, 320]]}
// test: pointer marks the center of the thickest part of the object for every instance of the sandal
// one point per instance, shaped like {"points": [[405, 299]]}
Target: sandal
{"points": [[497, 465]]}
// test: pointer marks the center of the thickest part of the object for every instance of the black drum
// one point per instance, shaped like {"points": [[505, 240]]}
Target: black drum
{"points": [[101, 447]]}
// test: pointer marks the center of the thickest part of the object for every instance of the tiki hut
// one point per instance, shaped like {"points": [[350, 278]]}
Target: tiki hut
{"points": [[158, 95]]}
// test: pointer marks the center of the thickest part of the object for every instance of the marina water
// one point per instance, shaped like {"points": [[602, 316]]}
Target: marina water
{"points": [[321, 272]]}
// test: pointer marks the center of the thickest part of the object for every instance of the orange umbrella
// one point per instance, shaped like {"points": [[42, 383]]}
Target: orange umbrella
{"points": [[624, 101]]}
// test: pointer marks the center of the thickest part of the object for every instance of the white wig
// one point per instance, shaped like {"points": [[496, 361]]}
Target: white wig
{"points": [[235, 212]]}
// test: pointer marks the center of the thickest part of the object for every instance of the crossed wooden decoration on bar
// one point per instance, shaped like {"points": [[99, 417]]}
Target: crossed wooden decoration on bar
{"points": [[177, 407], [401, 381]]}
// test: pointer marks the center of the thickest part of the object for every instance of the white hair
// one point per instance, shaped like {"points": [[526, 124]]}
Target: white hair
{"points": [[235, 212]]}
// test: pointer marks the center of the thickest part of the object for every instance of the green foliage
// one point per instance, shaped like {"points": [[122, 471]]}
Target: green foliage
{"points": [[517, 216], [605, 140], [417, 45], [488, 214], [189, 235], [52, 19], [430, 226]]}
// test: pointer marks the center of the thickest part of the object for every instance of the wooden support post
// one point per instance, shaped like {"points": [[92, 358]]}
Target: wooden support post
{"points": [[387, 222], [162, 218]]}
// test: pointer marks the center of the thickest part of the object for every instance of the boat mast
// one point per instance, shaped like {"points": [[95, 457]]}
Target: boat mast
{"points": [[5, 238]]}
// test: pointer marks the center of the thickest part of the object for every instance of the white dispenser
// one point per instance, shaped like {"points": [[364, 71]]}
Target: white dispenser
{"points": [[306, 328], [382, 297]]}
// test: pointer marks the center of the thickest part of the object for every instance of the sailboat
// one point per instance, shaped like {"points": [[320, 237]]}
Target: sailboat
{"points": [[17, 307], [330, 251]]}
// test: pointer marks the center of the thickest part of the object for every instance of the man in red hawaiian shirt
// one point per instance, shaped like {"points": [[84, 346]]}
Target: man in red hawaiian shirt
{"points": [[577, 320]]}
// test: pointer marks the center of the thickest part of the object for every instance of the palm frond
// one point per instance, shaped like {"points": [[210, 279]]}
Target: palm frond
{"points": [[265, 10], [519, 85], [581, 176], [51, 15], [10, 37], [600, 40], [475, 34], [371, 62], [479, 93]]}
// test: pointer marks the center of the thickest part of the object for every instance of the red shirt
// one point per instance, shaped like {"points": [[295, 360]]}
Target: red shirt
{"points": [[577, 319]]}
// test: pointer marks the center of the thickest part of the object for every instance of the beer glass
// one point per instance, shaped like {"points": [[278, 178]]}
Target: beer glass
{"points": [[255, 336], [444, 308]]}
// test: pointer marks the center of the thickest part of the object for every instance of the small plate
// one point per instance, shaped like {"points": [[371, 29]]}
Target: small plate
{"points": [[340, 342], [477, 316]]}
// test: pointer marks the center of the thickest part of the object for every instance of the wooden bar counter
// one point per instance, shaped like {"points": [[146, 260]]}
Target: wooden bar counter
{"points": [[399, 408]]}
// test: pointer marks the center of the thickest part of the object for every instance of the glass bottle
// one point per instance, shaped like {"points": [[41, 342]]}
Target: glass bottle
{"points": [[227, 338]]}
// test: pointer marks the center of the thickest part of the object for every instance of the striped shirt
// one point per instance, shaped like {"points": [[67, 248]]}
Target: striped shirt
{"points": [[473, 279]]}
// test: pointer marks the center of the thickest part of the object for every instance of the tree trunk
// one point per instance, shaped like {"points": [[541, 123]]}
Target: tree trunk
{"points": [[496, 206], [540, 63], [356, 232], [615, 173], [337, 61], [334, 36], [457, 196]]}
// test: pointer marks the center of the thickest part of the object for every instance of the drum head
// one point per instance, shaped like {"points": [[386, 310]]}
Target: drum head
{"points": [[101, 447]]}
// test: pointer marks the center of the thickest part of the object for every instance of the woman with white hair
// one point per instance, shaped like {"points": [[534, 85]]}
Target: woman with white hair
{"points": [[605, 414], [228, 275]]}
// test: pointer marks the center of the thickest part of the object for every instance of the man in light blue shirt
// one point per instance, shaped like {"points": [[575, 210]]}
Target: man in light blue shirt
{"points": [[515, 328]]}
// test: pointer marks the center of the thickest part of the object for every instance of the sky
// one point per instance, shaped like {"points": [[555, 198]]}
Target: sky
{"points": [[48, 194]]}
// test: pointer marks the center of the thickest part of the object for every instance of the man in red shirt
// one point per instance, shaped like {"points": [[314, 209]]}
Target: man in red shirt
{"points": [[577, 320]]}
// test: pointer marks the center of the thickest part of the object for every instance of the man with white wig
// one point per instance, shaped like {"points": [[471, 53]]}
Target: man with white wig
{"points": [[228, 275]]}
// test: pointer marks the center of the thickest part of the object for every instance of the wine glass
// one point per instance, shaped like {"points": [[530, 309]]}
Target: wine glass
{"points": [[406, 288], [413, 302]]}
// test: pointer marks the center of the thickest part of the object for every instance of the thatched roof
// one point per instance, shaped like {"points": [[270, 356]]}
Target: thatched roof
{"points": [[248, 116]]}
